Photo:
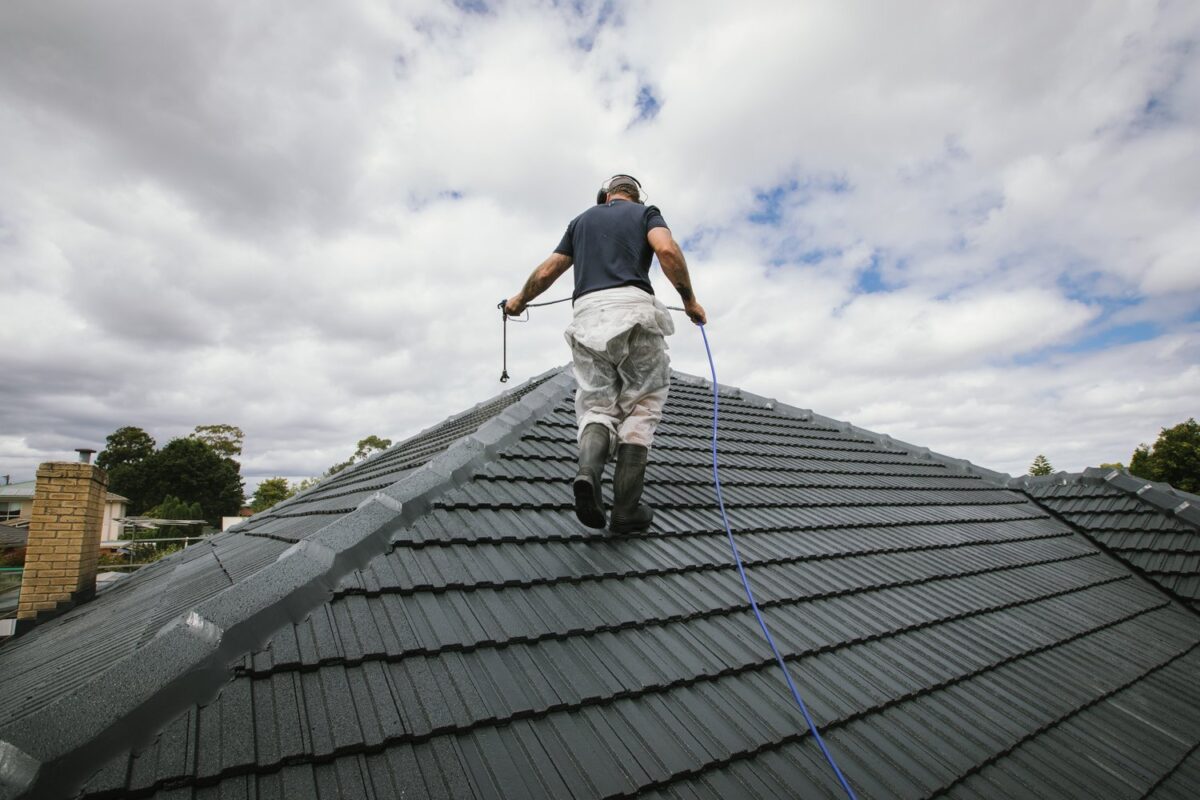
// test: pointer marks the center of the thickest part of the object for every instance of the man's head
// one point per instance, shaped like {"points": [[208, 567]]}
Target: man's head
{"points": [[623, 186]]}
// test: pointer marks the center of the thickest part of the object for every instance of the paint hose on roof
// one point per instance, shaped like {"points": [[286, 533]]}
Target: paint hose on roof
{"points": [[812, 726], [504, 328]]}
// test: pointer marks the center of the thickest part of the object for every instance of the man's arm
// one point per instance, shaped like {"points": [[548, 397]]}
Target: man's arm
{"points": [[674, 266], [539, 281]]}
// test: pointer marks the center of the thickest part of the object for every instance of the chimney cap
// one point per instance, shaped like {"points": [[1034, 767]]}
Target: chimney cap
{"points": [[85, 454]]}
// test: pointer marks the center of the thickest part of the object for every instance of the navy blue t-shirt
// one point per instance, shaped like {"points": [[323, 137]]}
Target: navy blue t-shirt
{"points": [[609, 247]]}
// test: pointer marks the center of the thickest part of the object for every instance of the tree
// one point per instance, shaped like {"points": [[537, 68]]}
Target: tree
{"points": [[188, 469], [195, 473], [1113, 465], [127, 445], [171, 508], [1174, 458], [270, 492], [1139, 462], [1040, 466], [366, 447], [225, 440], [125, 453]]}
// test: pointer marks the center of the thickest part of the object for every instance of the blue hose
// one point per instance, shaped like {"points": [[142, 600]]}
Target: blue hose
{"points": [[750, 593]]}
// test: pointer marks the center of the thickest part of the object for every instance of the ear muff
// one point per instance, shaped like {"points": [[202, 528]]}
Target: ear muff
{"points": [[605, 187]]}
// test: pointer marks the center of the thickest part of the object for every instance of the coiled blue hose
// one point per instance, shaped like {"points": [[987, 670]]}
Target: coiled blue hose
{"points": [[750, 592]]}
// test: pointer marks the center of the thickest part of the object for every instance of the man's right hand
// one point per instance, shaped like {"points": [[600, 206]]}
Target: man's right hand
{"points": [[513, 306], [695, 312]]}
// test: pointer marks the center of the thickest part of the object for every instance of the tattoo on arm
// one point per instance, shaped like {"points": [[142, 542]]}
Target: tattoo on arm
{"points": [[531, 289], [541, 278], [685, 291]]}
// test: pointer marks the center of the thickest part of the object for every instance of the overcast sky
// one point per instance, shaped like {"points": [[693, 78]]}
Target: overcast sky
{"points": [[974, 226]]}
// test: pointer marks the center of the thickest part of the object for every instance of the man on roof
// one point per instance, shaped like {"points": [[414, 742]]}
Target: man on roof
{"points": [[618, 342]]}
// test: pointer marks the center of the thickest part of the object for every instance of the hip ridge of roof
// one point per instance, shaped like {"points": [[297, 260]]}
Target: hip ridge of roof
{"points": [[53, 752]]}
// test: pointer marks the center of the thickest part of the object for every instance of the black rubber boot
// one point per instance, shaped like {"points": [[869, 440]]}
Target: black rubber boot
{"points": [[589, 497], [629, 513]]}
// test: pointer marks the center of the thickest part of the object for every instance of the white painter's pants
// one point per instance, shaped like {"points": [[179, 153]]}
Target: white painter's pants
{"points": [[619, 348]]}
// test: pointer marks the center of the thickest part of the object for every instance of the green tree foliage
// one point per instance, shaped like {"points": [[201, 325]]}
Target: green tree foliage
{"points": [[225, 440], [1139, 462], [195, 473], [1113, 465], [171, 508], [1174, 457], [307, 483], [367, 446], [186, 469], [123, 458], [1041, 466], [127, 445], [270, 492]]}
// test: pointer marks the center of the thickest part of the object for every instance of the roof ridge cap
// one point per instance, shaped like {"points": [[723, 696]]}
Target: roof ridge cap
{"points": [[126, 705], [1159, 495], [960, 465], [1060, 478]]}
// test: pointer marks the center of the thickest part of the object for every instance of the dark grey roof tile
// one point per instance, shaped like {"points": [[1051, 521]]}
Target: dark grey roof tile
{"points": [[112, 778], [379, 703], [283, 725], [1171, 563], [498, 775], [1139, 522], [291, 529], [345, 778], [345, 728], [642, 609], [268, 733], [1177, 584], [1135, 750], [785, 707], [1181, 782], [396, 772], [614, 734], [237, 737]]}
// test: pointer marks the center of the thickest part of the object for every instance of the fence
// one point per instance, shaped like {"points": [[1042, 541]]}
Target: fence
{"points": [[134, 549]]}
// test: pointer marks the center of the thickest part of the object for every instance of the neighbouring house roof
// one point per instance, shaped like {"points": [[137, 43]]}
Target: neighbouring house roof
{"points": [[434, 622], [24, 490], [1150, 526], [21, 490]]}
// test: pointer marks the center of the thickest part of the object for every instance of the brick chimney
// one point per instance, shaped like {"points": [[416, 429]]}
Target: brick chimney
{"points": [[64, 539]]}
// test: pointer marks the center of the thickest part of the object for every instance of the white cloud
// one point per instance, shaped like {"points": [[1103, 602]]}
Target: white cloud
{"points": [[299, 220]]}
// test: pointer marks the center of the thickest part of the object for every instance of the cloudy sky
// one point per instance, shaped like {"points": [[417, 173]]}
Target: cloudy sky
{"points": [[973, 226]]}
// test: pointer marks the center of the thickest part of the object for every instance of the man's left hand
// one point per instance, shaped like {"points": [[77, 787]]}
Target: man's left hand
{"points": [[513, 306]]}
